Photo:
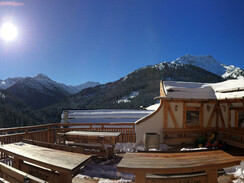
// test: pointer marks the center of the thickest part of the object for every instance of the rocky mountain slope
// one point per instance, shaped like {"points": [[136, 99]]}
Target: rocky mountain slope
{"points": [[40, 91], [136, 89], [209, 63]]}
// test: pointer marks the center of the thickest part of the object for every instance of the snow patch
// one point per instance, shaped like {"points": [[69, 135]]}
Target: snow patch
{"points": [[126, 99], [2, 95], [237, 171], [153, 107]]}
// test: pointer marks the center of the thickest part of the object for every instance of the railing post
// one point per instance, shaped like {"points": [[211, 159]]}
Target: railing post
{"points": [[26, 134], [48, 134], [90, 127], [134, 133]]}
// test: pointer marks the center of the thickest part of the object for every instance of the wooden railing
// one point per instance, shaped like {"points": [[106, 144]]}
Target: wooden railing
{"points": [[48, 132]]}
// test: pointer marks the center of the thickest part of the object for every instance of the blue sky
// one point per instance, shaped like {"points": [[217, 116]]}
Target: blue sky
{"points": [[74, 41]]}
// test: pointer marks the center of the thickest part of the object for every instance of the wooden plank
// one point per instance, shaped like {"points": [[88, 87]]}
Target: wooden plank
{"points": [[172, 116], [217, 116], [184, 115], [229, 115], [233, 142], [212, 175], [165, 115], [40, 172], [166, 163], [201, 115], [192, 108], [140, 178], [13, 175], [236, 118], [179, 140], [195, 177], [211, 117], [222, 118], [46, 157]]}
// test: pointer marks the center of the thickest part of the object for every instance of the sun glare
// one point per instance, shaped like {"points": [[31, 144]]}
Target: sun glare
{"points": [[8, 32]]}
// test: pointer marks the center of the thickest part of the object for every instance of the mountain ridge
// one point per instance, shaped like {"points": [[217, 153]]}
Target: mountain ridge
{"points": [[45, 80]]}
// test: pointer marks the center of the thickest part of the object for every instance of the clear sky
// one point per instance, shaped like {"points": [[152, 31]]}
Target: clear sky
{"points": [[74, 41]]}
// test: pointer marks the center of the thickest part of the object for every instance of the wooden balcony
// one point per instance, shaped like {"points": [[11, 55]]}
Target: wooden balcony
{"points": [[49, 132]]}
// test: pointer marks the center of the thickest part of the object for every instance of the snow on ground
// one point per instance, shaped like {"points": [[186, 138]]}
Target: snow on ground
{"points": [[100, 171], [237, 171], [106, 171]]}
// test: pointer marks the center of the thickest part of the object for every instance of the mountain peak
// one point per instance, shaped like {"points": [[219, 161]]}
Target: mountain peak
{"points": [[206, 62], [41, 76]]}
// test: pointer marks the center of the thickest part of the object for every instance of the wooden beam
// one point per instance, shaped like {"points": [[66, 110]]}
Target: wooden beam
{"points": [[201, 115], [193, 108], [11, 174], [236, 118], [222, 118], [229, 116], [217, 116], [165, 113], [172, 116], [184, 115], [211, 117]]}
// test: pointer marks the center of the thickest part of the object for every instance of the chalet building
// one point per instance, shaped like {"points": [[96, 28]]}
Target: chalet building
{"points": [[188, 110]]}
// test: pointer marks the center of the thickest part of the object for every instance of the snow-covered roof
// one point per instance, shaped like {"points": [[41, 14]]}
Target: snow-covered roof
{"points": [[230, 89], [105, 115]]}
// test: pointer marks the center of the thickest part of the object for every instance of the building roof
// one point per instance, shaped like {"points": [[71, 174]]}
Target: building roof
{"points": [[105, 115], [230, 89]]}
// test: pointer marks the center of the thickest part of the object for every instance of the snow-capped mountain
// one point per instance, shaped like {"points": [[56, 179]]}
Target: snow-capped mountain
{"points": [[208, 63], [39, 91], [41, 81], [4, 84]]}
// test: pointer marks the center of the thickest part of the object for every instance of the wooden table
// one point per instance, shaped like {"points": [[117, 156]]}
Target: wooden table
{"points": [[85, 136], [140, 164], [48, 164], [90, 139]]}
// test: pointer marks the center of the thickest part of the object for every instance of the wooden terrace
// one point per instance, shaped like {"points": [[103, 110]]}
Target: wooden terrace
{"points": [[24, 144]]}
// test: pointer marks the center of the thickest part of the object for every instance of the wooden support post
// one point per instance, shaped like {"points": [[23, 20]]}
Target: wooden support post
{"points": [[184, 115], [236, 118], [65, 178], [201, 115], [26, 134], [134, 134], [172, 116], [165, 113], [212, 176], [222, 118], [17, 163], [211, 117], [140, 178], [217, 116], [229, 115]]}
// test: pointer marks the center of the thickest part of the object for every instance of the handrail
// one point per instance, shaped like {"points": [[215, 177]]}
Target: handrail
{"points": [[48, 132]]}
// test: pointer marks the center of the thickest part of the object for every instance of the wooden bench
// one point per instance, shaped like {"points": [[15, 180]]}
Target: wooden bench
{"points": [[100, 143], [94, 148], [186, 166], [230, 136], [233, 137], [13, 175], [172, 178], [71, 148], [176, 136], [51, 165]]}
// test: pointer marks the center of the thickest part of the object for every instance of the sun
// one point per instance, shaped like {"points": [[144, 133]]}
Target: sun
{"points": [[8, 32]]}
